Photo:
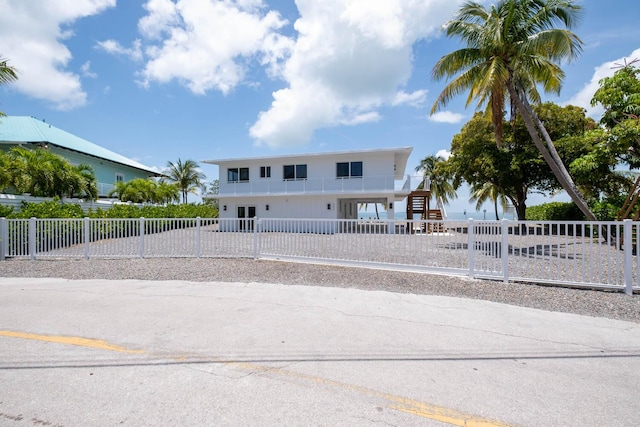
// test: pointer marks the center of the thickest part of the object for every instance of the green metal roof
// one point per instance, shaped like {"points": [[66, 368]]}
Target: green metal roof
{"points": [[23, 129]]}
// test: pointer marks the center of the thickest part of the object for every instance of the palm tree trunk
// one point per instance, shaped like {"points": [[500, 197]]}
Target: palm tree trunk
{"points": [[558, 169]]}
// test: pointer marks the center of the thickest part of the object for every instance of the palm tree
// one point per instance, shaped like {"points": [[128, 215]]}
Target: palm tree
{"points": [[440, 185], [512, 49], [489, 191], [82, 182], [166, 193], [8, 74], [186, 176]]}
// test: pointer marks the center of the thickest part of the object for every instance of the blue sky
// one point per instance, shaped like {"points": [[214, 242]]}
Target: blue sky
{"points": [[158, 80]]}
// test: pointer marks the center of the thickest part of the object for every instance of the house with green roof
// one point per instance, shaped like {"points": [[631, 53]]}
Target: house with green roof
{"points": [[109, 167]]}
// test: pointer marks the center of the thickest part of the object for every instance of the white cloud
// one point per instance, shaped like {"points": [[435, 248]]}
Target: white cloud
{"points": [[583, 98], [415, 99], [86, 70], [444, 153], [115, 48], [32, 35], [350, 58], [207, 45], [446, 117]]}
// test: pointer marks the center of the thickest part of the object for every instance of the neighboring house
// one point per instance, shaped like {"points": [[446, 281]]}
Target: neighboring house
{"points": [[109, 167], [318, 186]]}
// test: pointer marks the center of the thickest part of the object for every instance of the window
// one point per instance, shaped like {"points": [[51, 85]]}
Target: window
{"points": [[119, 177], [342, 169], [237, 174], [346, 169], [301, 171], [290, 172], [265, 171]]}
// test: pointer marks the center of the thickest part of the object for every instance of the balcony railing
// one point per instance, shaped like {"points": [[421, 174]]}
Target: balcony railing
{"points": [[310, 185]]}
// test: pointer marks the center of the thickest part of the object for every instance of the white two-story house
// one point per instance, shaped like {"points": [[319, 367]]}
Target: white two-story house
{"points": [[318, 186]]}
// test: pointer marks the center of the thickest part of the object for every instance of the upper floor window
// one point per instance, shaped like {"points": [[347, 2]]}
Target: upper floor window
{"points": [[265, 171], [237, 174], [348, 169], [119, 177], [294, 172]]}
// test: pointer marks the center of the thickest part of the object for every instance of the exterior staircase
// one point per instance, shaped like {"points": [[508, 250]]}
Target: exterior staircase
{"points": [[418, 203]]}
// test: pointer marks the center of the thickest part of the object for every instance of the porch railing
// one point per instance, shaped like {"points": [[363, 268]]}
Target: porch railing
{"points": [[600, 255]]}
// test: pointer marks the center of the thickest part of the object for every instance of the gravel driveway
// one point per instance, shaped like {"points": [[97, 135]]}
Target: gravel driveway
{"points": [[614, 305]]}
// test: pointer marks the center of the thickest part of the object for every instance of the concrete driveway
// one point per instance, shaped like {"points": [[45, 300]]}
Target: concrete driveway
{"points": [[98, 352]]}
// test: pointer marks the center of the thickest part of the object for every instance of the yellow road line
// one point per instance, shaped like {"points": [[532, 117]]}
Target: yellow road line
{"points": [[398, 403], [78, 341]]}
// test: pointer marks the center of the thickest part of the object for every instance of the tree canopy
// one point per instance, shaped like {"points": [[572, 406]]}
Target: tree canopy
{"points": [[43, 173], [512, 48], [8, 74], [186, 176], [142, 190], [517, 168], [620, 97]]}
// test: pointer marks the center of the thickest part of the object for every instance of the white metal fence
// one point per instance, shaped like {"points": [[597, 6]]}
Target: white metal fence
{"points": [[593, 254]]}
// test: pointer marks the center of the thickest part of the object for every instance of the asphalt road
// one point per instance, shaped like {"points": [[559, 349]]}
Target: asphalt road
{"points": [[138, 353]]}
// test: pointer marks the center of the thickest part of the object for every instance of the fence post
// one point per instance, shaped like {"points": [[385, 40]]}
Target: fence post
{"points": [[505, 250], [4, 238], [198, 220], [141, 237], [471, 244], [32, 238], [256, 236], [627, 243], [87, 237]]}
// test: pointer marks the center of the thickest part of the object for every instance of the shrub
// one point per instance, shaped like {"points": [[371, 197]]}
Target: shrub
{"points": [[555, 211], [49, 209], [6, 211]]}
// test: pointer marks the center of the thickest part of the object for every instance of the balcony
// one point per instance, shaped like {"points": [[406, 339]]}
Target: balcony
{"points": [[309, 186]]}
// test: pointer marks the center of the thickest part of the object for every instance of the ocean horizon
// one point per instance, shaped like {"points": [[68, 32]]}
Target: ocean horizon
{"points": [[455, 216]]}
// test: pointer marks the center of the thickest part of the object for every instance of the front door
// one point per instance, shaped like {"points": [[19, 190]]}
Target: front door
{"points": [[245, 217]]}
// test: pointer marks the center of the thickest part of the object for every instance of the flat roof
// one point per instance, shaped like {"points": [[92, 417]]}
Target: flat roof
{"points": [[25, 129], [401, 156], [401, 150]]}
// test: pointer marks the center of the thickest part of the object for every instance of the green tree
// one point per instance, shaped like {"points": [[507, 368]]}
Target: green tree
{"points": [[82, 182], [620, 97], [435, 177], [43, 173], [141, 190], [186, 176], [5, 171], [8, 74], [166, 193], [480, 193], [517, 167], [512, 48]]}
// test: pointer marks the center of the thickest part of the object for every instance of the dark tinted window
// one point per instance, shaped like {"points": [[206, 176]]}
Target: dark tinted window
{"points": [[289, 172], [301, 171], [356, 168], [342, 169]]}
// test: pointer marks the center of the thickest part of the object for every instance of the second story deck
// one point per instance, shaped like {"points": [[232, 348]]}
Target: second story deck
{"points": [[352, 172]]}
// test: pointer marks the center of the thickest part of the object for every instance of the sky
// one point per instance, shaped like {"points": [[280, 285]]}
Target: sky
{"points": [[159, 80]]}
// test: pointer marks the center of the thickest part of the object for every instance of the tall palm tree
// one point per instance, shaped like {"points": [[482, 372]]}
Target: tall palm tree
{"points": [[489, 191], [439, 183], [186, 176], [512, 49], [8, 74]]}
